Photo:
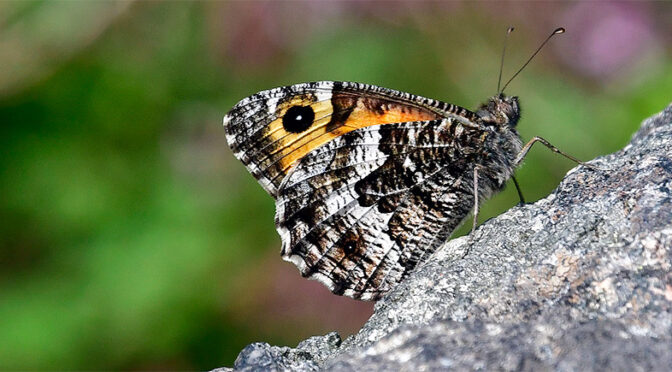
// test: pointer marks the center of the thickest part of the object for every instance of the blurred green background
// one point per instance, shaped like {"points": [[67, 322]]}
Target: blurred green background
{"points": [[132, 239]]}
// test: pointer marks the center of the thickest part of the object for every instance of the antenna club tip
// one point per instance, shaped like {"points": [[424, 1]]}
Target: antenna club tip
{"points": [[558, 30]]}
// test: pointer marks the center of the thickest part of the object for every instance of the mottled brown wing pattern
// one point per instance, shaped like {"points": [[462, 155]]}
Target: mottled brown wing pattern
{"points": [[360, 212]]}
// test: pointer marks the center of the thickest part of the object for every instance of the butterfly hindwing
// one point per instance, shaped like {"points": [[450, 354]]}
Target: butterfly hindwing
{"points": [[359, 212]]}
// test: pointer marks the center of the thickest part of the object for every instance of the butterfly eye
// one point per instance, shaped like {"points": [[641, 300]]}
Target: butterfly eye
{"points": [[298, 118]]}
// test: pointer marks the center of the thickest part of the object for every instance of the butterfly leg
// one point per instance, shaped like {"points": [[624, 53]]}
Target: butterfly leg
{"points": [[520, 193], [473, 226], [526, 149], [476, 205]]}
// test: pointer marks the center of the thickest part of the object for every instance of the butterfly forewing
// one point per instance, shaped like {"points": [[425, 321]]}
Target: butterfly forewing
{"points": [[269, 131]]}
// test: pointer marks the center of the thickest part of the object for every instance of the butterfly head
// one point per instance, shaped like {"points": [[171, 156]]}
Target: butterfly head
{"points": [[501, 111]]}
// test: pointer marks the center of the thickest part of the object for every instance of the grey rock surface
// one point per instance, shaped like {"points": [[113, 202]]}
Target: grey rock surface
{"points": [[309, 355], [580, 280]]}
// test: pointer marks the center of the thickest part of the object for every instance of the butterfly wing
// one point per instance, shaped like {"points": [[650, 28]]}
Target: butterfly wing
{"points": [[367, 180], [272, 130], [359, 212]]}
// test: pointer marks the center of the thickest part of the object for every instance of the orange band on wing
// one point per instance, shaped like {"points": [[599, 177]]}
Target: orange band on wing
{"points": [[363, 116], [334, 118]]}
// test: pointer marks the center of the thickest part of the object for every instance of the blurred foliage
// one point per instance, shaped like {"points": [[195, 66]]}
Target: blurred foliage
{"points": [[132, 239]]}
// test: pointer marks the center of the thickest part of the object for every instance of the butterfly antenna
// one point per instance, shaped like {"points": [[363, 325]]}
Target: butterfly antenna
{"points": [[557, 31], [501, 63]]}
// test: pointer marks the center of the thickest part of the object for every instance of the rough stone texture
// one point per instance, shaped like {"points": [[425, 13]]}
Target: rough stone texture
{"points": [[309, 355], [580, 280]]}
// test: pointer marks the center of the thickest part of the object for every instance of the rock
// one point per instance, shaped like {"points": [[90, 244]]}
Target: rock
{"points": [[549, 342], [307, 356], [580, 280]]}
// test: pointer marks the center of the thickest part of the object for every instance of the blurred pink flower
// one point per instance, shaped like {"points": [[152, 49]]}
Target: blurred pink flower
{"points": [[253, 32], [258, 33], [606, 37]]}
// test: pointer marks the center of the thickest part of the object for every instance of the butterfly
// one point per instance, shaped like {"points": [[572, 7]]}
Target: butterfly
{"points": [[368, 181]]}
